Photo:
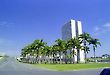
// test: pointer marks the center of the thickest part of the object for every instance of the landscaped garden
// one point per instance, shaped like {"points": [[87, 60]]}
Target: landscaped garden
{"points": [[2, 58], [40, 52], [63, 67]]}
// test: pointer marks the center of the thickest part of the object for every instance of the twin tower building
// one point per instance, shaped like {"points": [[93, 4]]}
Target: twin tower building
{"points": [[71, 30]]}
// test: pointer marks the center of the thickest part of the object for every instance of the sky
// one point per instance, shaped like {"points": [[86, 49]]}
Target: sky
{"points": [[23, 21]]}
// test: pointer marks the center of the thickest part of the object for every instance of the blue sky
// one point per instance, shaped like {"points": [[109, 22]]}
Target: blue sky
{"points": [[22, 21]]}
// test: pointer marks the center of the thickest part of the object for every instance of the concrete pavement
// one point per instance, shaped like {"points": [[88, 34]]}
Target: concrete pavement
{"points": [[13, 67]]}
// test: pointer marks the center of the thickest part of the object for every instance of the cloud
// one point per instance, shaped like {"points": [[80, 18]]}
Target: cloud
{"points": [[5, 24], [106, 25], [102, 28], [97, 28]]}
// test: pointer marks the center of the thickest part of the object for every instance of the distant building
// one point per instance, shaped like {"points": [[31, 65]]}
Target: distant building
{"points": [[70, 30]]}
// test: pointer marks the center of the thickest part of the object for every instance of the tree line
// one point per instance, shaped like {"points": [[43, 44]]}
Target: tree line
{"points": [[40, 52]]}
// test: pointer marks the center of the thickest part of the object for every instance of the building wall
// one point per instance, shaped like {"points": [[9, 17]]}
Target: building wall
{"points": [[66, 31], [81, 52], [74, 33], [70, 30]]}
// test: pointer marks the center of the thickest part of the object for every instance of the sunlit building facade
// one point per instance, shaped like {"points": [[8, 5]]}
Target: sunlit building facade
{"points": [[70, 30]]}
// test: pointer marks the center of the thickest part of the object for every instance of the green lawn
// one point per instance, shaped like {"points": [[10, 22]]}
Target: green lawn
{"points": [[62, 67], [1, 59]]}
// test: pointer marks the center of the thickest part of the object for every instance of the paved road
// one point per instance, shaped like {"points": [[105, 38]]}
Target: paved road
{"points": [[12, 67]]}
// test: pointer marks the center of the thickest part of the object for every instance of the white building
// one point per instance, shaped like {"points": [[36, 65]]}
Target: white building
{"points": [[70, 30]]}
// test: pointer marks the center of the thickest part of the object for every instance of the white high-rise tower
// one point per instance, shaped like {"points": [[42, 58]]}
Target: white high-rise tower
{"points": [[70, 30]]}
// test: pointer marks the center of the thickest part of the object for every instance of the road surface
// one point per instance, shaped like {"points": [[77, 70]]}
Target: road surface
{"points": [[13, 67]]}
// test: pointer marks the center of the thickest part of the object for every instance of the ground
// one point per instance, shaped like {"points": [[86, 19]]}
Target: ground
{"points": [[12, 67]]}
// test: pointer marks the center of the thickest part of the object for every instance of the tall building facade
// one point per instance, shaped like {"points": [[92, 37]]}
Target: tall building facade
{"points": [[70, 30]]}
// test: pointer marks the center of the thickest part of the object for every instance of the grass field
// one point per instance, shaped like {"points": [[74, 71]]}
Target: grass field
{"points": [[1, 59], [63, 67]]}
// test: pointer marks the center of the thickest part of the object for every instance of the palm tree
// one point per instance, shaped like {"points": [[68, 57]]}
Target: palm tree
{"points": [[78, 47], [65, 48], [37, 45], [23, 53], [46, 52], [85, 40], [62, 48], [87, 50], [71, 46], [50, 53], [95, 43], [54, 52], [59, 44], [26, 52]]}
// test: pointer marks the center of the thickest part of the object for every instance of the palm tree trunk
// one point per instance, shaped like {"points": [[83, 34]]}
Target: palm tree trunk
{"points": [[73, 56], [53, 58], [78, 59], [85, 52], [94, 54], [85, 56], [48, 59], [65, 58], [37, 56], [60, 57], [70, 56]]}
